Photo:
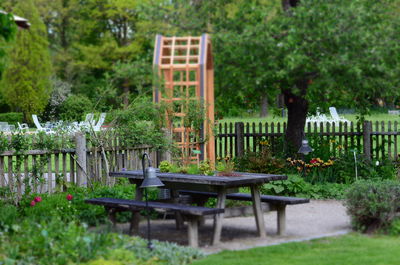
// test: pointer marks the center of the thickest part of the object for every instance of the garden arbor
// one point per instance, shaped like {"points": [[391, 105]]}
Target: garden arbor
{"points": [[185, 69]]}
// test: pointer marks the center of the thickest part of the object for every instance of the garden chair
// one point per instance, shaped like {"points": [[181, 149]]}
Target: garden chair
{"points": [[39, 126], [335, 116], [100, 122], [318, 118], [23, 126], [4, 127]]}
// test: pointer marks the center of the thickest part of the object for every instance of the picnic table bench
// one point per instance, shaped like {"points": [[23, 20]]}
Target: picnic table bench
{"points": [[277, 203], [222, 185], [192, 213]]}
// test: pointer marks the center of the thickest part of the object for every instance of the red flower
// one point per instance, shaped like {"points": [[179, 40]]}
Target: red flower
{"points": [[38, 199], [69, 197], [33, 203], [313, 161], [310, 81]]}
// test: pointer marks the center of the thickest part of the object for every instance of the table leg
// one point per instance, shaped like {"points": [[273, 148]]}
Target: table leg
{"points": [[134, 227], [218, 218], [178, 216], [258, 214]]}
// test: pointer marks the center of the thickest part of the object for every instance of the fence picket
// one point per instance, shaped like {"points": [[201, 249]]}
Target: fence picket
{"points": [[390, 141], [2, 175], [395, 153], [10, 173], [49, 175]]}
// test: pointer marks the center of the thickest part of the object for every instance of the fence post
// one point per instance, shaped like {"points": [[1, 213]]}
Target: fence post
{"points": [[239, 139], [80, 142], [367, 132]]}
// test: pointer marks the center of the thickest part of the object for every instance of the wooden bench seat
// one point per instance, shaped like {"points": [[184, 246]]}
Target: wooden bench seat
{"points": [[192, 213], [277, 203]]}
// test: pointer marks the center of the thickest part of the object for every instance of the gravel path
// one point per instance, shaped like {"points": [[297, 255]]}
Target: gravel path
{"points": [[303, 222]]}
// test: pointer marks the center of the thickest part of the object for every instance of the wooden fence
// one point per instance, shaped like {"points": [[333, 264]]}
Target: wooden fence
{"points": [[48, 171], [376, 140]]}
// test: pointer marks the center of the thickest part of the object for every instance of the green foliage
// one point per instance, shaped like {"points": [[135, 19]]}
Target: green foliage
{"points": [[165, 166], [394, 228], [262, 161], [57, 242], [373, 205], [12, 117], [26, 80], [141, 124], [75, 107], [53, 231], [296, 186], [8, 215], [7, 33]]}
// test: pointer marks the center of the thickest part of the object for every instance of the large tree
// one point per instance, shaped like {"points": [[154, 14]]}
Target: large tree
{"points": [[7, 33], [26, 80], [339, 53]]}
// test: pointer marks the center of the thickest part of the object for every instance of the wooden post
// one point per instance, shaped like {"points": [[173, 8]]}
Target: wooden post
{"points": [[281, 219], [80, 141], [239, 137], [219, 216], [367, 131], [256, 197]]}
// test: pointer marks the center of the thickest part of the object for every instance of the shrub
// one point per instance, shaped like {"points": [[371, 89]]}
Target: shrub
{"points": [[12, 117], [373, 205], [74, 107], [260, 162], [58, 242]]}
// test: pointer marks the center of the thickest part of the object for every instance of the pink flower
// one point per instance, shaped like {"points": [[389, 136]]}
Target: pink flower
{"points": [[38, 199], [313, 161], [33, 203], [69, 197]]}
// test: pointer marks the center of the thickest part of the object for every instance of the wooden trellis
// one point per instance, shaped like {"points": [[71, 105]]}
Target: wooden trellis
{"points": [[185, 68]]}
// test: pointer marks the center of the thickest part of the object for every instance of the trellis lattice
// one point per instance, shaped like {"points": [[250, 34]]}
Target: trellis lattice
{"points": [[185, 68]]}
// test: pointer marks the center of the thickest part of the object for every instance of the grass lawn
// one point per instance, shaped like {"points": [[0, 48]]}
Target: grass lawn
{"points": [[353, 249]]}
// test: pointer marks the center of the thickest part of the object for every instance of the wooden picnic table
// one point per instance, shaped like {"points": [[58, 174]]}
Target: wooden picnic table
{"points": [[220, 184]]}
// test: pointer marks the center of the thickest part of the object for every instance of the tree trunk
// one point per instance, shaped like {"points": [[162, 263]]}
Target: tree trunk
{"points": [[297, 107], [264, 106], [126, 93]]}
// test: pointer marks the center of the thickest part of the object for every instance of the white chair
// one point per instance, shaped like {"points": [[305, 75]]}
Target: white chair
{"points": [[100, 122], [39, 126], [318, 118], [4, 127], [23, 126], [335, 116], [37, 123]]}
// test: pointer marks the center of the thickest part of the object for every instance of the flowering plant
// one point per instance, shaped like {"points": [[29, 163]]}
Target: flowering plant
{"points": [[314, 170]]}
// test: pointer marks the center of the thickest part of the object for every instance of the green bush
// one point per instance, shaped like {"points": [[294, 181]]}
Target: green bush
{"points": [[76, 209], [12, 117], [373, 205], [75, 107], [260, 162], [59, 242]]}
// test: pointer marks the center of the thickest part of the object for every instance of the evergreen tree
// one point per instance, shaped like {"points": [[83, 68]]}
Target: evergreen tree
{"points": [[26, 82]]}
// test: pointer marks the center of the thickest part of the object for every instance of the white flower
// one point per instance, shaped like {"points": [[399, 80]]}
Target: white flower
{"points": [[377, 163]]}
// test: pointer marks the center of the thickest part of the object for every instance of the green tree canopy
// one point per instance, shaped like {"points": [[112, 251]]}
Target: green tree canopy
{"points": [[26, 81], [7, 32], [318, 54]]}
